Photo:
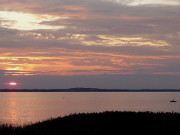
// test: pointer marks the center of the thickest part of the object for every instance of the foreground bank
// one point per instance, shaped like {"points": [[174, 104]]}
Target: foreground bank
{"points": [[102, 123]]}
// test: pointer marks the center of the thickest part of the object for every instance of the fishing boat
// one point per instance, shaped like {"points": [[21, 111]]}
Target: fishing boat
{"points": [[173, 100]]}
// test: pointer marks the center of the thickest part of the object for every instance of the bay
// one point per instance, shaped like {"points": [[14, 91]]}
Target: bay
{"points": [[19, 108]]}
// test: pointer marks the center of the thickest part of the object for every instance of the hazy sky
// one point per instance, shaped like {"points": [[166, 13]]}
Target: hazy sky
{"points": [[90, 43]]}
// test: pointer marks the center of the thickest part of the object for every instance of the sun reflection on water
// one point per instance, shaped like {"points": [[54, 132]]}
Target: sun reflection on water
{"points": [[12, 111]]}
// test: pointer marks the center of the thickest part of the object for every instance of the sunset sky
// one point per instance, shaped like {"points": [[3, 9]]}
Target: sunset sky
{"points": [[125, 44]]}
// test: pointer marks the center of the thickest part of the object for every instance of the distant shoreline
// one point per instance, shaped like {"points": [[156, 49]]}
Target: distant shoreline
{"points": [[89, 90]]}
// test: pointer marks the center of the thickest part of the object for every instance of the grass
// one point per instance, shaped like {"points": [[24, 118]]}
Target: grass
{"points": [[112, 123]]}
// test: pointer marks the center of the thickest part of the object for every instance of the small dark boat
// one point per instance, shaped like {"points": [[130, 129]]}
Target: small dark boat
{"points": [[173, 100]]}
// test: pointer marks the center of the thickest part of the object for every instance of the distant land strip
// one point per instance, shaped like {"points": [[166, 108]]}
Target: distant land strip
{"points": [[89, 90]]}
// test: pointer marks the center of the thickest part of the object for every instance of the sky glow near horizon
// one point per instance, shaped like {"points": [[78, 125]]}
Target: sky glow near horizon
{"points": [[64, 38]]}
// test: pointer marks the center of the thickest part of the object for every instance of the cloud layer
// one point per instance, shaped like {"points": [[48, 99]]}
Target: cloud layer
{"points": [[97, 37]]}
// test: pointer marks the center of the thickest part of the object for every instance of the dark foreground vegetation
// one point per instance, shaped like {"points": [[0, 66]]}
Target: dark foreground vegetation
{"points": [[112, 123]]}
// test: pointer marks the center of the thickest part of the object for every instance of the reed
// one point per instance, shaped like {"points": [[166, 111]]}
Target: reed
{"points": [[112, 123]]}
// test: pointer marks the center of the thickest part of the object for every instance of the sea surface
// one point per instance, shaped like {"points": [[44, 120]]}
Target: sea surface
{"points": [[21, 108]]}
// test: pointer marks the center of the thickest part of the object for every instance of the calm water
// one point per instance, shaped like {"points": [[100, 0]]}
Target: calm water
{"points": [[23, 108]]}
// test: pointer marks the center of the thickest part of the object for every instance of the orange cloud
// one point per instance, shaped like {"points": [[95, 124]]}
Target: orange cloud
{"points": [[60, 61]]}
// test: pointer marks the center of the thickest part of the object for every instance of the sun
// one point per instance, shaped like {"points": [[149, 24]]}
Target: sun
{"points": [[12, 83]]}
